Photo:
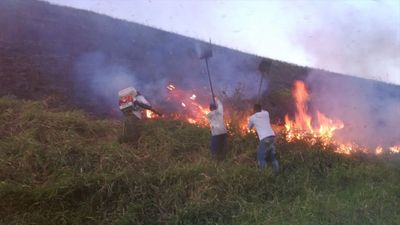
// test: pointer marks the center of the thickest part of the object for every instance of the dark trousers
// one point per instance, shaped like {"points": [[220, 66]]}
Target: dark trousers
{"points": [[218, 143], [132, 128]]}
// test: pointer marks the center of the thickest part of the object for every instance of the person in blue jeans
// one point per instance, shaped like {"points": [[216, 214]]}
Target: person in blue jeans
{"points": [[266, 147]]}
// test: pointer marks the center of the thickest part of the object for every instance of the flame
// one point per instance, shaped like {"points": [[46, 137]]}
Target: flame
{"points": [[192, 121], [302, 119], [395, 149], [302, 126], [193, 112], [378, 150], [345, 149], [321, 128], [149, 114]]}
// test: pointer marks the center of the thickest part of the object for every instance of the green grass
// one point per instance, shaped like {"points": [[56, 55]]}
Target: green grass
{"points": [[65, 167]]}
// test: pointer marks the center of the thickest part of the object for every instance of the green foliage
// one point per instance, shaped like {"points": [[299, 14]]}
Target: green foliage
{"points": [[63, 167], [279, 102]]}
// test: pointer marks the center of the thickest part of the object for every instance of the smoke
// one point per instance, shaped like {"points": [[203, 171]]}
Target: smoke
{"points": [[369, 110], [356, 39], [361, 39], [232, 70], [98, 78], [93, 77]]}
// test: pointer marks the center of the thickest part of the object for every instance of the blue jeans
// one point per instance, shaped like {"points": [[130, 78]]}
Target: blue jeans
{"points": [[266, 147]]}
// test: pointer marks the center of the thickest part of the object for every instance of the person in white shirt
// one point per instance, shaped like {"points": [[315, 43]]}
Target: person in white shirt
{"points": [[132, 104], [218, 130], [260, 120]]}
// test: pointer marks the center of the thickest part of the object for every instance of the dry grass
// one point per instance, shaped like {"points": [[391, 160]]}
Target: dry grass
{"points": [[63, 167]]}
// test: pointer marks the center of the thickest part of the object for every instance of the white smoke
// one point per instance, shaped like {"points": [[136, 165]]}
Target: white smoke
{"points": [[370, 110], [98, 79], [354, 38]]}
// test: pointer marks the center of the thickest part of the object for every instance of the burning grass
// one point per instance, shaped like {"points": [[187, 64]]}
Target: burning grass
{"points": [[322, 128], [63, 167]]}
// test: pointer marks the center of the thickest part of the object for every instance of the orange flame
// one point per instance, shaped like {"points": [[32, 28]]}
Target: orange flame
{"points": [[378, 150], [150, 114], [302, 126], [192, 121], [194, 112], [322, 128], [395, 149]]}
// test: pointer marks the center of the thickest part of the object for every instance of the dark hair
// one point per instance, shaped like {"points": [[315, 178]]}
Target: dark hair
{"points": [[213, 106], [257, 107]]}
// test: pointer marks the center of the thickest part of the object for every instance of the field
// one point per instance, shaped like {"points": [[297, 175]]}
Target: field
{"points": [[59, 166]]}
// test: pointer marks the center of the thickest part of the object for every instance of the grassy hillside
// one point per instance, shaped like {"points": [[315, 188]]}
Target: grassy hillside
{"points": [[52, 50], [65, 167]]}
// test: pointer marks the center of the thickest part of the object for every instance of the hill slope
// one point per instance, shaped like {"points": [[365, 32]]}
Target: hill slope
{"points": [[83, 58], [63, 167]]}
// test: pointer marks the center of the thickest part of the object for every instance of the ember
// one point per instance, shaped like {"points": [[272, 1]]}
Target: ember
{"points": [[171, 87], [193, 112]]}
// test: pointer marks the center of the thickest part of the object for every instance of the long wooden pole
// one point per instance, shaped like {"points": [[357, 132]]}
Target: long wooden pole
{"points": [[209, 79]]}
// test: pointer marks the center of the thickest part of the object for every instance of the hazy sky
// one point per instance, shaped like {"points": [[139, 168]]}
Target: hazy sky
{"points": [[359, 37]]}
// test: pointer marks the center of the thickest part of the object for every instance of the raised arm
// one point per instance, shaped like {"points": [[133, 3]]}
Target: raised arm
{"points": [[220, 107], [142, 102]]}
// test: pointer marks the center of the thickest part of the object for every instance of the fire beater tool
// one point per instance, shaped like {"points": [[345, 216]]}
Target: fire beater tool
{"points": [[264, 67], [206, 54]]}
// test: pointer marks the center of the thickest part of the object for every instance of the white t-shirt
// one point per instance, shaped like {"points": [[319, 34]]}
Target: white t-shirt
{"points": [[216, 119], [262, 124]]}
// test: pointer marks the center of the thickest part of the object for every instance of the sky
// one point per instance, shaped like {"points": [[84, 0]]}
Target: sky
{"points": [[359, 37]]}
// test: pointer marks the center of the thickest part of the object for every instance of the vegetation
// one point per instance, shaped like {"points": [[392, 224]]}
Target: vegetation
{"points": [[65, 167]]}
